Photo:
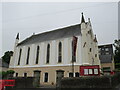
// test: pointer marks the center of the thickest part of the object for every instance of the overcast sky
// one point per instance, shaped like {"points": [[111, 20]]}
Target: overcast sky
{"points": [[32, 17]]}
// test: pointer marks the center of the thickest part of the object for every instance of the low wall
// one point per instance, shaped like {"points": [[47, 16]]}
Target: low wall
{"points": [[91, 82], [23, 82]]}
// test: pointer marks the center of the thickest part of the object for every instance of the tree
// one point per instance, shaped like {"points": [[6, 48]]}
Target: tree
{"points": [[117, 54], [6, 74], [6, 57]]}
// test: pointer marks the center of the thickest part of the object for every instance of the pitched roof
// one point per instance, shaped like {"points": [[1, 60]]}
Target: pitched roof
{"points": [[106, 58], [53, 35]]}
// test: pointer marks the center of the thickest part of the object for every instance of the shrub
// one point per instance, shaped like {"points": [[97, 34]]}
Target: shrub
{"points": [[4, 75], [10, 72]]}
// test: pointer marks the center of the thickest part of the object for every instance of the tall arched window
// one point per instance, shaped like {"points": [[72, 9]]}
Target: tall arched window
{"points": [[28, 53], [48, 53], [60, 52], [73, 51], [37, 54], [19, 56]]}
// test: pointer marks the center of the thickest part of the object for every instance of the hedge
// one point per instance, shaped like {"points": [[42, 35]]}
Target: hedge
{"points": [[91, 81]]}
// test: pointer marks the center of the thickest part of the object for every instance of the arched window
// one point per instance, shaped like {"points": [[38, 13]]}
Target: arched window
{"points": [[48, 53], [28, 53], [73, 51], [37, 54], [19, 56], [60, 52]]}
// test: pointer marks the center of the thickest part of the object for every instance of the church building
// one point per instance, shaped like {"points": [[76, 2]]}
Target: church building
{"points": [[50, 53]]}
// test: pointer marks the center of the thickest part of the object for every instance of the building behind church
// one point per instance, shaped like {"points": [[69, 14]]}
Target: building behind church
{"points": [[106, 57], [50, 53]]}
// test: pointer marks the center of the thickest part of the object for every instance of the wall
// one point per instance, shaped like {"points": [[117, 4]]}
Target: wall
{"points": [[50, 70], [66, 53], [111, 65]]}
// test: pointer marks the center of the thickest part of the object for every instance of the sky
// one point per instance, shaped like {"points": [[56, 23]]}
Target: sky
{"points": [[119, 20], [37, 17]]}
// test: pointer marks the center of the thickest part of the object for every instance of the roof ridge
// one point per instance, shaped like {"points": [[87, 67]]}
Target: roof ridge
{"points": [[52, 30]]}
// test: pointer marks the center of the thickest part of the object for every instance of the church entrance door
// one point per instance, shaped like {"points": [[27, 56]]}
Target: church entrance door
{"points": [[36, 81], [59, 75]]}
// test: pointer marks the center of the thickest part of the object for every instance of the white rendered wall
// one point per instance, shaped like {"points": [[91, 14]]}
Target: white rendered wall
{"points": [[83, 54], [66, 53]]}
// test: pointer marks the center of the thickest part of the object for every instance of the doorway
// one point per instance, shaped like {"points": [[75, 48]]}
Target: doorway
{"points": [[36, 81], [59, 75]]}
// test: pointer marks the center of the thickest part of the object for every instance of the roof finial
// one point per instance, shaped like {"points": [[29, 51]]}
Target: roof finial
{"points": [[33, 33], [82, 19], [95, 39], [89, 19], [17, 36]]}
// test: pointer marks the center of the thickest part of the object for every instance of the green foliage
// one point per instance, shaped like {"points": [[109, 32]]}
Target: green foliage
{"points": [[4, 74], [10, 72], [6, 57], [117, 53]]}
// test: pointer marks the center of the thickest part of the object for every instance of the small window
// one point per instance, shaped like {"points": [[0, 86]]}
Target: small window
{"points": [[25, 74], [106, 49], [95, 55], [102, 49], [90, 49], [16, 74], [95, 71], [77, 74], [90, 71], [107, 53], [46, 77], [86, 71], [70, 74]]}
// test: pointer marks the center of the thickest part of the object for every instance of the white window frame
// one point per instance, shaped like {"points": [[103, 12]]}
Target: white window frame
{"points": [[90, 71], [95, 71], [86, 72]]}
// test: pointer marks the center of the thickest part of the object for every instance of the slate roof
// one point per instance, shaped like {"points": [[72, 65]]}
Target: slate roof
{"points": [[105, 58], [53, 35]]}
